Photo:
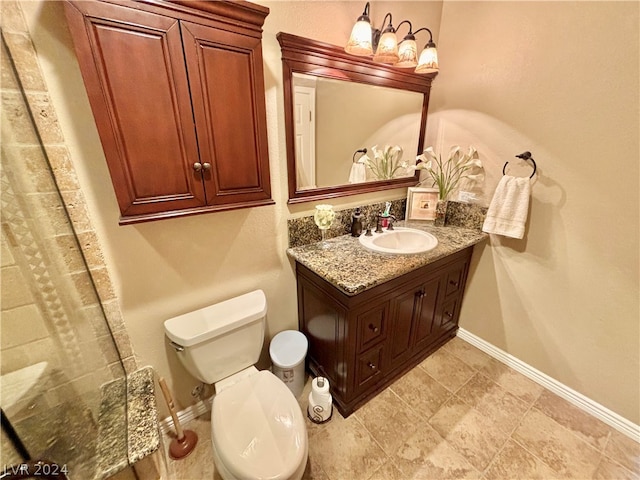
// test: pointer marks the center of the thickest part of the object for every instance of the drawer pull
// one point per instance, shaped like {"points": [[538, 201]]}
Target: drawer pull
{"points": [[373, 328], [371, 366]]}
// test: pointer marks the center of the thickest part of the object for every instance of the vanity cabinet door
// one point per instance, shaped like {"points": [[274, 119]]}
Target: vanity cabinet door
{"points": [[413, 320], [425, 321], [402, 307]]}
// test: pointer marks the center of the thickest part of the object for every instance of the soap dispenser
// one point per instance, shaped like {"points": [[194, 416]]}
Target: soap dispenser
{"points": [[356, 223]]}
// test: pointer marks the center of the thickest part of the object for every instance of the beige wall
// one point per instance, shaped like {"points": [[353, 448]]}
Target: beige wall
{"points": [[559, 79], [164, 268]]}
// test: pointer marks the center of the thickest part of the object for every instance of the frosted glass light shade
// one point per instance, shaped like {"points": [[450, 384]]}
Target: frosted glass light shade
{"points": [[428, 62], [407, 54], [360, 40], [387, 51]]}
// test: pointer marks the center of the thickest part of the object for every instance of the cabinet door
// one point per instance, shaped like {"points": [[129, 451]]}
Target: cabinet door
{"points": [[401, 314], [133, 68], [425, 320], [227, 86]]}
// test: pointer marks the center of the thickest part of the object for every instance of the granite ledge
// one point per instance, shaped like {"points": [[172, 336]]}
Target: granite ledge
{"points": [[351, 268], [128, 433]]}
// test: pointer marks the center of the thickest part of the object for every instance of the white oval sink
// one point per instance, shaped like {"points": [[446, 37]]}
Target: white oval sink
{"points": [[401, 240]]}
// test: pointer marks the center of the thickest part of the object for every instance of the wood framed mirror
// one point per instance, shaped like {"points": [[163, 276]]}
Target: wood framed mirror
{"points": [[336, 104]]}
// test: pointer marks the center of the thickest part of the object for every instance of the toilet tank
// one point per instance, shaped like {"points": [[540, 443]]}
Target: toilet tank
{"points": [[222, 339]]}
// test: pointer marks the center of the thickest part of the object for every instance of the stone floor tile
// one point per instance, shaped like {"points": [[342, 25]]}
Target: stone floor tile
{"points": [[586, 426], [504, 408], [388, 471], [344, 449], [469, 431], [512, 381], [426, 455], [610, 470], [388, 419], [466, 352], [624, 451], [556, 446], [515, 463], [447, 369], [421, 391]]}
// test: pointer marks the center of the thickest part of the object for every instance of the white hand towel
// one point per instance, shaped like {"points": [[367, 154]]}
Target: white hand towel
{"points": [[358, 173], [507, 213]]}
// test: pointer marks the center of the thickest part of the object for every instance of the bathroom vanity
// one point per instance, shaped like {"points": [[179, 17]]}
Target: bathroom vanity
{"points": [[370, 318]]}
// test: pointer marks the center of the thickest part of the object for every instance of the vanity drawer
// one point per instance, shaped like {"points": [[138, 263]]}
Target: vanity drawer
{"points": [[372, 327], [454, 279], [369, 367]]}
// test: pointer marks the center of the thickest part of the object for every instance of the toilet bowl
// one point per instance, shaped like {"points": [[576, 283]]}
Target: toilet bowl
{"points": [[258, 430]]}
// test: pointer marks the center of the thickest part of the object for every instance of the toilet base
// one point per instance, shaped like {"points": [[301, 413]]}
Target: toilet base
{"points": [[227, 475]]}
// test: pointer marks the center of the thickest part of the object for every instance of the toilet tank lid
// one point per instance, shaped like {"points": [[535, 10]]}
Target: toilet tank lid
{"points": [[200, 325]]}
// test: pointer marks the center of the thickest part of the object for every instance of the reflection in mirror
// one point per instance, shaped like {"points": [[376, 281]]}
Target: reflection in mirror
{"points": [[348, 116], [336, 104]]}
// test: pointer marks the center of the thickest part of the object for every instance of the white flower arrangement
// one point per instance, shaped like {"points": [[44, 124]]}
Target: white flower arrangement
{"points": [[447, 174], [386, 163]]}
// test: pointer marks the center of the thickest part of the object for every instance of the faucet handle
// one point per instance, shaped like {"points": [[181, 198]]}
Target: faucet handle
{"points": [[391, 221]]}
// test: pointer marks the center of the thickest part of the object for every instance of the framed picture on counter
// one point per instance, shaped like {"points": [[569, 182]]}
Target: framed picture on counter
{"points": [[421, 203]]}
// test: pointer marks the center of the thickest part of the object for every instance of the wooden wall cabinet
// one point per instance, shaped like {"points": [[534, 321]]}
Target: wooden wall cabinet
{"points": [[177, 92], [363, 343]]}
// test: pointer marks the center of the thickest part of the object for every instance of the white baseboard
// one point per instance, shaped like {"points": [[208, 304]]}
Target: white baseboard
{"points": [[612, 419], [190, 413]]}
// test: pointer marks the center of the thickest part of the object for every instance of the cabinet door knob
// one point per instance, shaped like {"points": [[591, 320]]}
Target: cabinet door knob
{"points": [[449, 314], [373, 328], [371, 366], [421, 294], [197, 166], [451, 282], [206, 166]]}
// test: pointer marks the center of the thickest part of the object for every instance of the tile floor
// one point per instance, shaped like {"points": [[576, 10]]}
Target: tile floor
{"points": [[460, 414]]}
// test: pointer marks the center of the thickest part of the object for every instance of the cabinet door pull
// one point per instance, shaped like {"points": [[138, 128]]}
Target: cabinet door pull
{"points": [[197, 166], [206, 166], [371, 366], [373, 328], [421, 294]]}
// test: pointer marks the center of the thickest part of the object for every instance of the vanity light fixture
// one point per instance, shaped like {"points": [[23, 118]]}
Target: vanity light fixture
{"points": [[387, 49], [428, 61], [361, 42], [364, 40]]}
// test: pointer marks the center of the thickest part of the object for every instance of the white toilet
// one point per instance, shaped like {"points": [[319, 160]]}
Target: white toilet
{"points": [[258, 430]]}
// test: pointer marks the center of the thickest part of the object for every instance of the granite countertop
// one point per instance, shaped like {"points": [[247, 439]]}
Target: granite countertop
{"points": [[353, 269]]}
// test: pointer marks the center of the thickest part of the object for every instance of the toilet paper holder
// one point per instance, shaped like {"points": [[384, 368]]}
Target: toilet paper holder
{"points": [[320, 409]]}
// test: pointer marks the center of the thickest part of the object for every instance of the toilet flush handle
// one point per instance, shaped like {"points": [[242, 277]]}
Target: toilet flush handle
{"points": [[176, 347]]}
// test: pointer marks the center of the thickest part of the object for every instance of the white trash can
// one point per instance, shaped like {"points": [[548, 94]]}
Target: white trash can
{"points": [[288, 350]]}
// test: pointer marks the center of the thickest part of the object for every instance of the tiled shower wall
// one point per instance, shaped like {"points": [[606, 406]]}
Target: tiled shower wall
{"points": [[50, 311], [40, 203]]}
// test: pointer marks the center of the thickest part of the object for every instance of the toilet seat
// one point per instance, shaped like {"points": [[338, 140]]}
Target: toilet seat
{"points": [[258, 430]]}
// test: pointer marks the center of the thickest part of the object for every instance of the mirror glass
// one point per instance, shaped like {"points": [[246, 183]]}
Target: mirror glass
{"points": [[336, 118], [336, 104]]}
